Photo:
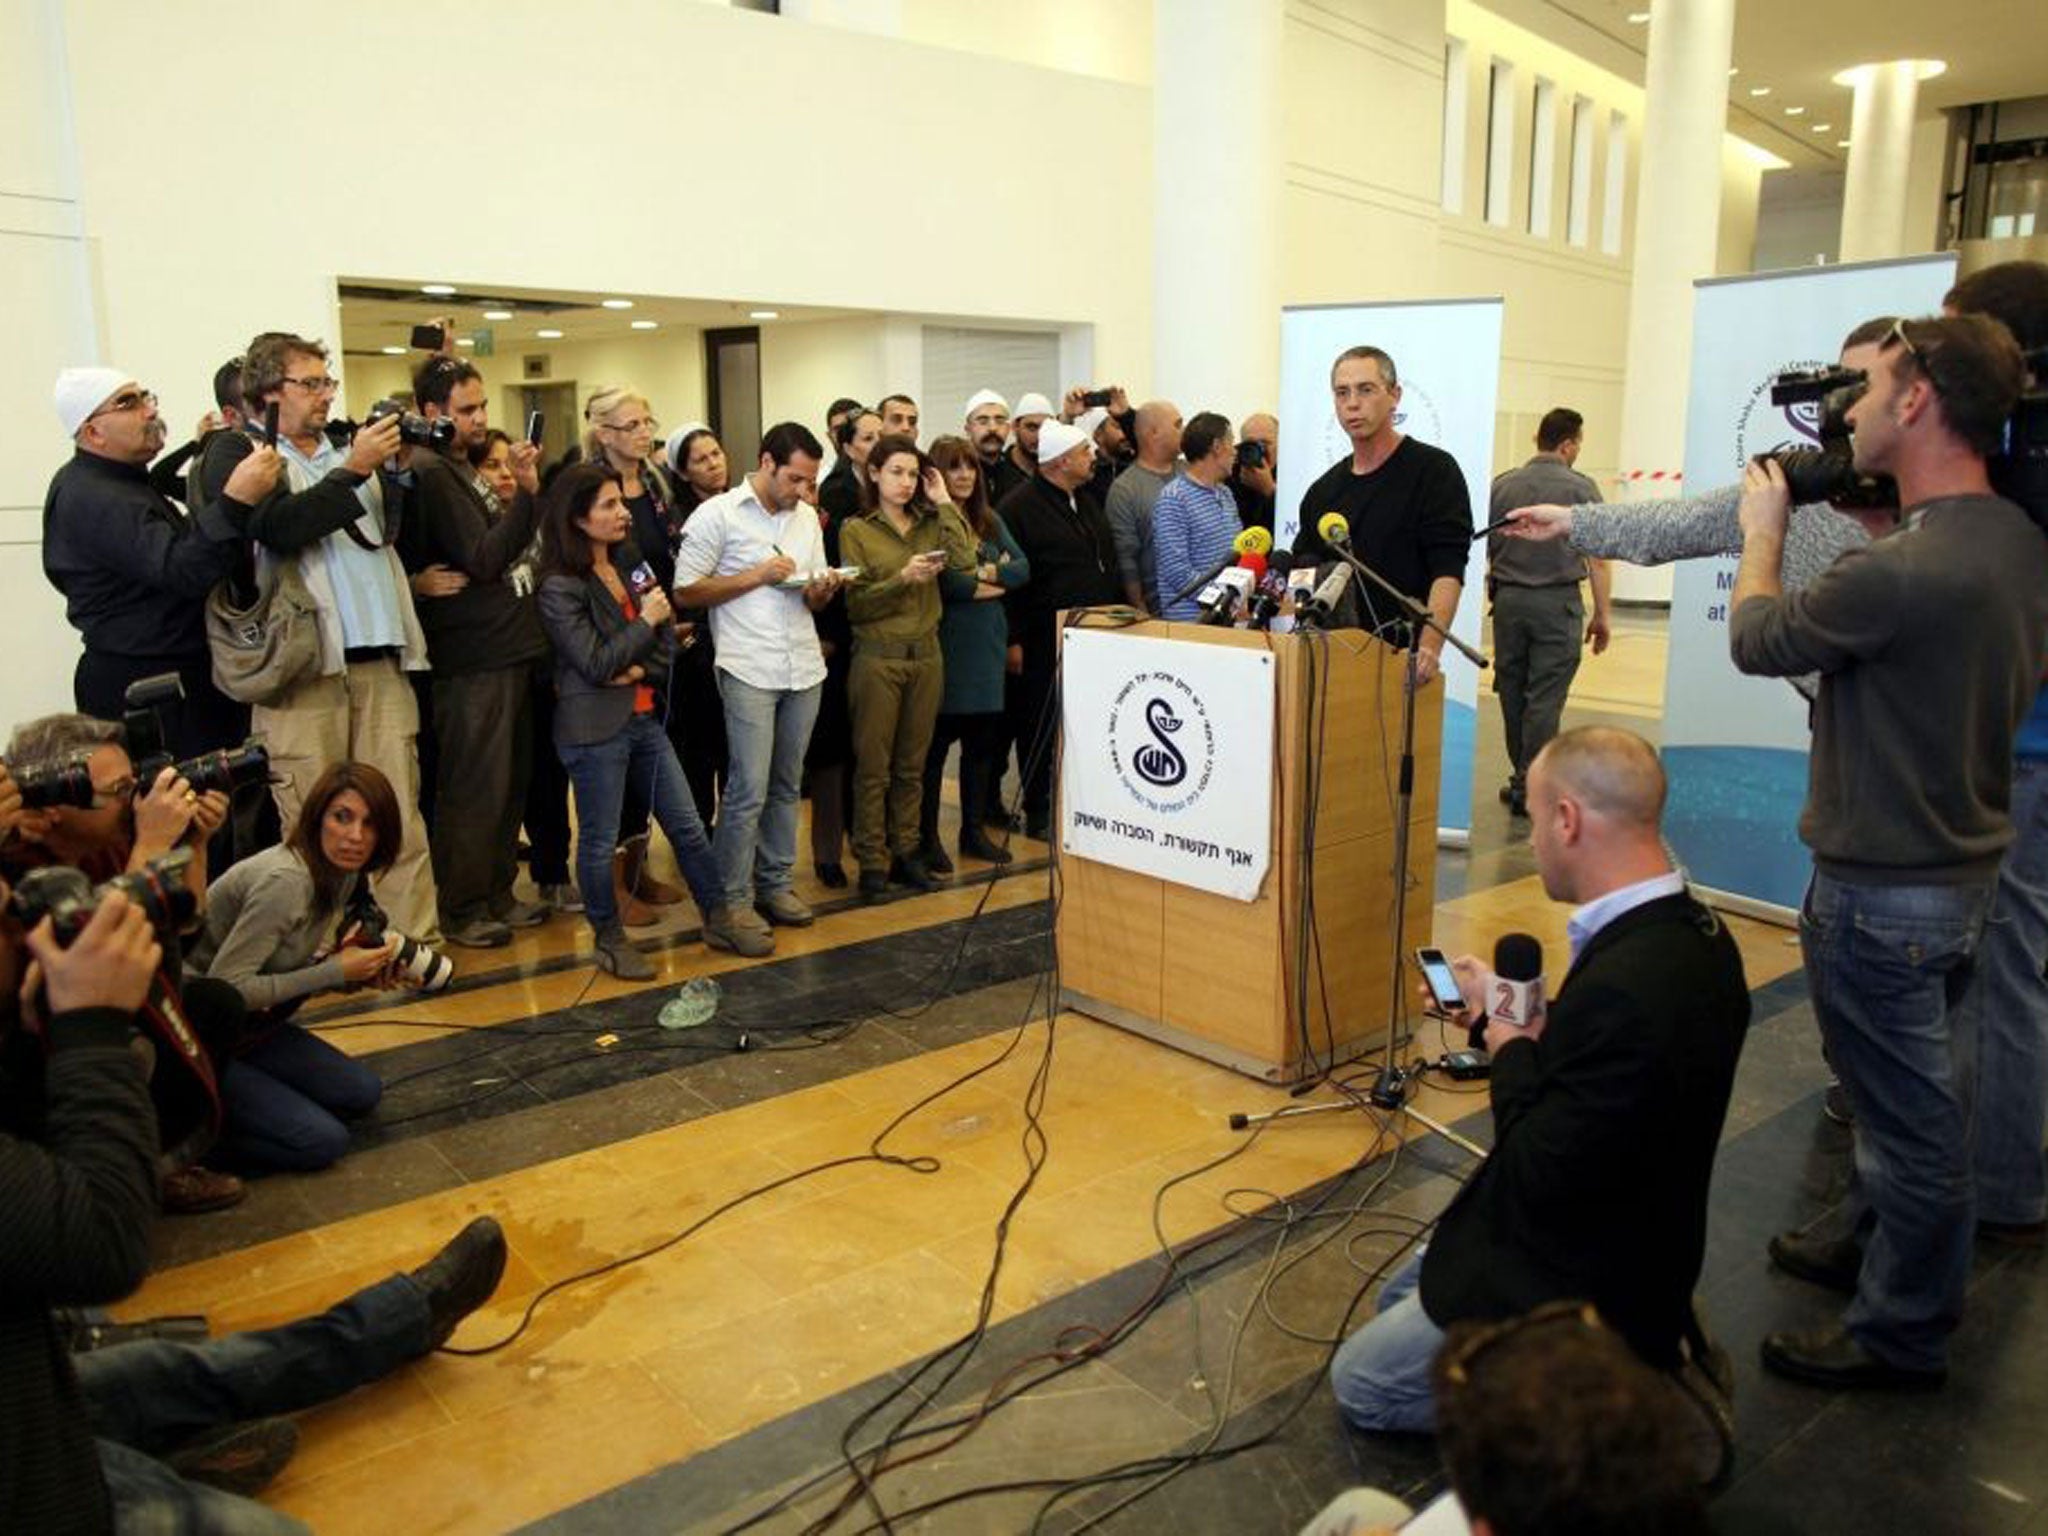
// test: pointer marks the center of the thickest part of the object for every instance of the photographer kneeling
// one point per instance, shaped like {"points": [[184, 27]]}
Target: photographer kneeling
{"points": [[273, 933]]}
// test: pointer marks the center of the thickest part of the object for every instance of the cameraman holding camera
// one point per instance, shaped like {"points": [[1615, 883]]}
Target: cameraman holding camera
{"points": [[337, 516]]}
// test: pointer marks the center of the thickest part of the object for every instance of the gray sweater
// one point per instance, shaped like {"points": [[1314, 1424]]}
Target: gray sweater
{"points": [[264, 924], [1928, 642]]}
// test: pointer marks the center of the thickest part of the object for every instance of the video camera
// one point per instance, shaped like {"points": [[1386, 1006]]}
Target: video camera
{"points": [[1828, 473], [413, 429], [69, 898], [425, 968]]}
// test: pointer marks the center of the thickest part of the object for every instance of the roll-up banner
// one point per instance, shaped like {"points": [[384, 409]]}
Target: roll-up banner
{"points": [[1447, 353], [1735, 747]]}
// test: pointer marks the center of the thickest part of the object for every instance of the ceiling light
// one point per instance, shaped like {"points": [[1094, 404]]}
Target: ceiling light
{"points": [[1795, 111], [549, 335], [465, 341], [645, 325], [618, 303], [1841, 143], [438, 290], [394, 351], [1759, 90], [1923, 69], [497, 314], [1823, 127], [1637, 18], [1733, 71], [764, 314]]}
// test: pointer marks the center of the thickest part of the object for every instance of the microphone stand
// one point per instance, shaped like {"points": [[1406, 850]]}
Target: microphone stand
{"points": [[1390, 1088]]}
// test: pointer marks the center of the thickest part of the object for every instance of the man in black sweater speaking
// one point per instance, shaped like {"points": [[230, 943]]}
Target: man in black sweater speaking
{"points": [[1606, 1114], [1928, 643]]}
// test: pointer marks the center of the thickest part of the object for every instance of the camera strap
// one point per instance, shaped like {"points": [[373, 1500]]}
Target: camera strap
{"points": [[162, 1016]]}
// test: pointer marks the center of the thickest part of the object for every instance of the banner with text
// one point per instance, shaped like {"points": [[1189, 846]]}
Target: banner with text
{"points": [[1166, 764], [1735, 747], [1447, 353]]}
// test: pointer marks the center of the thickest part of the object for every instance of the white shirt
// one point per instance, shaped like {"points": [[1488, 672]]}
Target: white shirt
{"points": [[766, 638], [1598, 913]]}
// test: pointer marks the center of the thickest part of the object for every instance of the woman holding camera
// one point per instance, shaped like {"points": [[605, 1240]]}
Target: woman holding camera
{"points": [[974, 637], [614, 639], [272, 933], [907, 533]]}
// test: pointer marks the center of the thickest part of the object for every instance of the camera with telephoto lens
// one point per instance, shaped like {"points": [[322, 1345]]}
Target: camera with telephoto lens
{"points": [[419, 965], [1251, 454], [228, 769], [413, 429], [66, 781], [1828, 473], [69, 898]]}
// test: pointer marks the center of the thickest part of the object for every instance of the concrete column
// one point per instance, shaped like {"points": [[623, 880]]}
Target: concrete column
{"points": [[1677, 226], [1217, 167], [1880, 160]]}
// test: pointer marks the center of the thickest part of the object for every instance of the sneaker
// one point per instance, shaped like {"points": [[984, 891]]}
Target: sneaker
{"points": [[461, 1277], [741, 930], [784, 909], [480, 933], [195, 1191], [523, 914], [933, 857], [563, 897], [616, 955]]}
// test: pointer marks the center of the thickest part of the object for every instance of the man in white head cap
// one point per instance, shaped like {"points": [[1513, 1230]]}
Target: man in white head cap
{"points": [[986, 422], [133, 566], [1055, 517], [1032, 413]]}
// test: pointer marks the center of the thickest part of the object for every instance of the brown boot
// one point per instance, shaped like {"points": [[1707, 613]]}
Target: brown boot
{"points": [[633, 912], [640, 879]]}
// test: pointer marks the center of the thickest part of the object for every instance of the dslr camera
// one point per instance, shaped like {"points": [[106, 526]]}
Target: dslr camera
{"points": [[68, 898], [421, 966], [1828, 473], [65, 780], [414, 430]]}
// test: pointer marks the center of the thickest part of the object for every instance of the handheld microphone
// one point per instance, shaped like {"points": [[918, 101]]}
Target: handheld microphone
{"points": [[1334, 529], [1272, 591], [1514, 992], [1322, 604], [1253, 541], [641, 579], [1231, 589]]}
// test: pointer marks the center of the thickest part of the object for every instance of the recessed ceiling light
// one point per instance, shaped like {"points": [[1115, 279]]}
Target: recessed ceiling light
{"points": [[646, 325], [497, 314], [549, 335], [764, 314], [1759, 90], [1637, 18], [618, 303], [394, 351], [1841, 143], [438, 290], [1733, 71], [1823, 127], [1795, 111], [465, 341]]}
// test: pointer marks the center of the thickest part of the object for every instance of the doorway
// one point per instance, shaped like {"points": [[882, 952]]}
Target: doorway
{"points": [[561, 426], [732, 378]]}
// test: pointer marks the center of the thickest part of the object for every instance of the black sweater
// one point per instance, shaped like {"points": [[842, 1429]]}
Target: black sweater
{"points": [[486, 625], [78, 1188], [1411, 519], [1072, 555]]}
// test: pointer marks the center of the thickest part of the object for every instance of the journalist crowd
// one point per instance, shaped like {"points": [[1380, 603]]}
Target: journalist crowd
{"points": [[353, 693]]}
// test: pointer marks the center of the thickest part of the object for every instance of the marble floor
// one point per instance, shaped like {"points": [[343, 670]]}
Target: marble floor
{"points": [[892, 1243]]}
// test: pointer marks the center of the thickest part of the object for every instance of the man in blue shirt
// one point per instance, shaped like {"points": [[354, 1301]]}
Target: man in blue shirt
{"points": [[1195, 520]]}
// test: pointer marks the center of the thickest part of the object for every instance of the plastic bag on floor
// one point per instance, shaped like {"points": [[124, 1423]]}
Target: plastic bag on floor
{"points": [[693, 1004]]}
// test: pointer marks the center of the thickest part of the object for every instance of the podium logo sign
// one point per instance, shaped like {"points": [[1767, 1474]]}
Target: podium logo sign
{"points": [[1166, 762]]}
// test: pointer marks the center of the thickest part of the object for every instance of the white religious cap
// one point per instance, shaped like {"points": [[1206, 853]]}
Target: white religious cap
{"points": [[983, 397], [81, 391], [1033, 404], [1091, 420], [675, 439], [1058, 437]]}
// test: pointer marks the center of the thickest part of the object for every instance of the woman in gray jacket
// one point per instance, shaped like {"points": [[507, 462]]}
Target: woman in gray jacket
{"points": [[614, 638]]}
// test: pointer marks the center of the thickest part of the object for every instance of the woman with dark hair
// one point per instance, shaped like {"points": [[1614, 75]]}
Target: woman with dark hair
{"points": [[697, 722], [272, 934], [907, 533], [831, 748], [974, 637], [614, 645]]}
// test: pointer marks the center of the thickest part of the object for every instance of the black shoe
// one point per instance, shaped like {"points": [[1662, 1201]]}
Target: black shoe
{"points": [[1036, 827], [1831, 1357], [975, 844], [242, 1459], [1004, 821], [833, 875], [873, 885], [461, 1277], [2014, 1234], [933, 857], [910, 870], [1830, 1261]]}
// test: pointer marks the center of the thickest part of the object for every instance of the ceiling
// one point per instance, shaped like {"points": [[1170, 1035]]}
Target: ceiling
{"points": [[1995, 50], [379, 313]]}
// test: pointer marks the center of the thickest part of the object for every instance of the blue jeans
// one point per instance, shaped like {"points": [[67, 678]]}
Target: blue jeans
{"points": [[1381, 1373], [285, 1100], [2007, 1006], [642, 755], [1887, 966], [148, 1397], [766, 732]]}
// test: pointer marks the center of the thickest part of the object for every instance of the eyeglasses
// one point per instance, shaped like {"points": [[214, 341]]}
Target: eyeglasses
{"points": [[114, 793], [1576, 1314], [127, 400], [315, 384], [632, 428]]}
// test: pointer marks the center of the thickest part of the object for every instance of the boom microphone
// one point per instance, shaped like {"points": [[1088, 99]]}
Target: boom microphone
{"points": [[1253, 541], [1514, 992], [1334, 528]]}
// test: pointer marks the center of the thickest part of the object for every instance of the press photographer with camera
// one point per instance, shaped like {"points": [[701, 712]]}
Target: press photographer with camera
{"points": [[328, 532]]}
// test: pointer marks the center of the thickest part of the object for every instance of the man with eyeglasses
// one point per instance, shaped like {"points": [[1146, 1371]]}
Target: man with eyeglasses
{"points": [[133, 566], [1928, 643], [337, 513]]}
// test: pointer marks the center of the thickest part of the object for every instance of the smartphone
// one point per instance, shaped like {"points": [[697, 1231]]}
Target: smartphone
{"points": [[1095, 397], [536, 421], [1441, 979], [270, 425], [428, 338]]}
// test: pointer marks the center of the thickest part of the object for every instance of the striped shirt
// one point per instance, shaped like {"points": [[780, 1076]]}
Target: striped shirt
{"points": [[1193, 527]]}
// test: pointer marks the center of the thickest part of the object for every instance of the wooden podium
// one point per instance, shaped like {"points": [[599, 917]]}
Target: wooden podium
{"points": [[1221, 978]]}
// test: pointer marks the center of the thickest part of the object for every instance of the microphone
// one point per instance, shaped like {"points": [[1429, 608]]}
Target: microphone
{"points": [[1253, 541], [641, 579], [1322, 604], [1334, 528], [1234, 586], [1272, 590], [1514, 992]]}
